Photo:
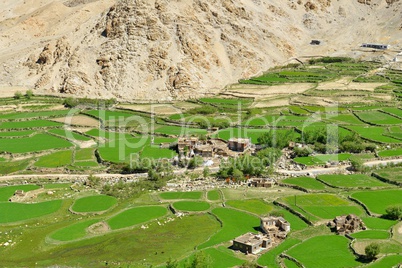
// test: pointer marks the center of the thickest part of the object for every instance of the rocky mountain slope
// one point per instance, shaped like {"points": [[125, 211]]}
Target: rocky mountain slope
{"points": [[174, 49]]}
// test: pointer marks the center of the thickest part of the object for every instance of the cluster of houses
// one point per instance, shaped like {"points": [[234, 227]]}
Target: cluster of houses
{"points": [[191, 146], [274, 230], [347, 224]]}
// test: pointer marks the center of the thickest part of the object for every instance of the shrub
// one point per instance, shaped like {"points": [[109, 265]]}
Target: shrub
{"points": [[206, 109], [29, 94], [301, 152], [357, 164], [17, 95], [372, 251], [393, 212]]}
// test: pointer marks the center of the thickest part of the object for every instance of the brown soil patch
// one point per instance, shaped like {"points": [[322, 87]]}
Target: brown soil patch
{"points": [[258, 91], [270, 103], [78, 120], [153, 108], [7, 91], [346, 84], [98, 228], [183, 105]]}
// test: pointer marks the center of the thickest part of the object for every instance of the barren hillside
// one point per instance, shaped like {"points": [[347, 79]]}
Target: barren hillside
{"points": [[164, 49]]}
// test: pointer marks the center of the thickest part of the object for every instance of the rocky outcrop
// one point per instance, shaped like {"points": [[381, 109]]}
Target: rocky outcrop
{"points": [[171, 49]]}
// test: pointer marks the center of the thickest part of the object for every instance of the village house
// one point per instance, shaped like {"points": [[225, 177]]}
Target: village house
{"points": [[186, 145], [376, 46], [275, 225], [274, 230], [251, 243], [266, 183], [347, 224], [239, 145]]}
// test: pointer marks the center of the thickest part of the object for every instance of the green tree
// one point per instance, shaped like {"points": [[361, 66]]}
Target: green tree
{"points": [[372, 251], [205, 172], [238, 174], [276, 140], [200, 260], [195, 162], [29, 94], [357, 163], [172, 264], [17, 95], [393, 212]]}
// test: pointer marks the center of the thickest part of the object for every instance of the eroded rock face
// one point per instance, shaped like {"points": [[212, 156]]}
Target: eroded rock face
{"points": [[174, 49]]}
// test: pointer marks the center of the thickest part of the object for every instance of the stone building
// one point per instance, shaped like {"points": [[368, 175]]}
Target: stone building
{"points": [[251, 243]]}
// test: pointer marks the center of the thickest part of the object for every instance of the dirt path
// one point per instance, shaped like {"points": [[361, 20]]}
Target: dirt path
{"points": [[106, 176], [323, 170]]}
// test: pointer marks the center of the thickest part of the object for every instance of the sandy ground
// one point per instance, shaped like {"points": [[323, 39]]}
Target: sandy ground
{"points": [[9, 91], [264, 91], [270, 103], [78, 120], [163, 109], [345, 84]]}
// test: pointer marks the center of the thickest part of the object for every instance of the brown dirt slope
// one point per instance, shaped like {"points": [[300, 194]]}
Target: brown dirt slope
{"points": [[167, 49]]}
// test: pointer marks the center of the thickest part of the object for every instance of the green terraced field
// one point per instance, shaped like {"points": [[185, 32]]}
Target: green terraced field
{"points": [[373, 133], [213, 195], [269, 258], [390, 153], [253, 134], [73, 232], [57, 159], [391, 174], [13, 166], [16, 133], [256, 206], [349, 119], [392, 110], [378, 118], [8, 191], [84, 154], [378, 223], [371, 234], [96, 203], [324, 206], [378, 201], [332, 250], [31, 124], [71, 135], [15, 212], [306, 183], [38, 142], [181, 195], [179, 131], [235, 223], [136, 216], [353, 180], [191, 205], [321, 159], [39, 114]]}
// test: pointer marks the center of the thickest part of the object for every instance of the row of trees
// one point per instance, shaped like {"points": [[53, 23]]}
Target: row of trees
{"points": [[320, 139], [247, 165], [28, 95]]}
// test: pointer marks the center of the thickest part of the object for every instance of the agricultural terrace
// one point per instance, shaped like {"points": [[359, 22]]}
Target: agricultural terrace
{"points": [[378, 201], [132, 220], [352, 181], [328, 250], [306, 183], [96, 203], [181, 195], [322, 206], [134, 216], [191, 206], [393, 175]]}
